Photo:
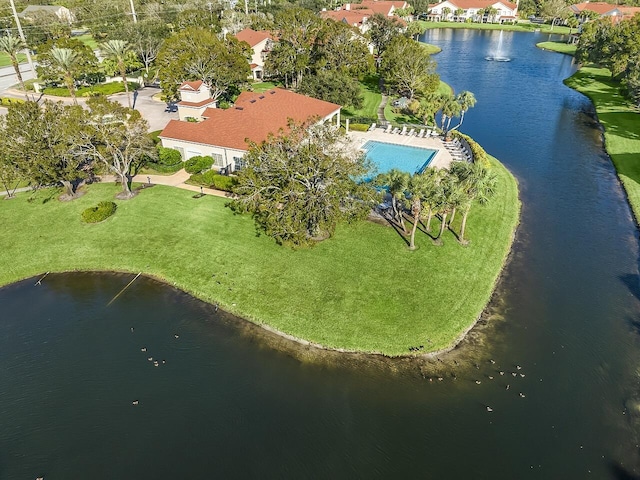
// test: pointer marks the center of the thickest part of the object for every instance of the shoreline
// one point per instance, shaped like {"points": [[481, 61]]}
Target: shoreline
{"points": [[298, 342]]}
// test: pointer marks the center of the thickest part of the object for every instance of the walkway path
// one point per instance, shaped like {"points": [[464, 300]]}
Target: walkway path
{"points": [[383, 103], [178, 180]]}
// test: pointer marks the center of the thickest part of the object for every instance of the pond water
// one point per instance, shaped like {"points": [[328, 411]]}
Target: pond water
{"points": [[226, 405]]}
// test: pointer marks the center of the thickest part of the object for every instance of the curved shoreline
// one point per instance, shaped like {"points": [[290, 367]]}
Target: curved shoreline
{"points": [[56, 258]]}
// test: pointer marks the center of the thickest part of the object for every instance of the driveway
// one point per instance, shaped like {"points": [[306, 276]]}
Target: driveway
{"points": [[154, 111]]}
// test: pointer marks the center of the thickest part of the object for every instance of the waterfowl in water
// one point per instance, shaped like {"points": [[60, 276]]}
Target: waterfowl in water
{"points": [[135, 402]]}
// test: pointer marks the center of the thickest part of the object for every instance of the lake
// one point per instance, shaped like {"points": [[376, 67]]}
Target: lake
{"points": [[563, 329]]}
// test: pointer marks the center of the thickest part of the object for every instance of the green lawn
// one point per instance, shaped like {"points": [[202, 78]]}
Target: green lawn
{"points": [[88, 40], [372, 98], [621, 121], [361, 290], [100, 89], [431, 49], [560, 47], [521, 26], [5, 61], [261, 87]]}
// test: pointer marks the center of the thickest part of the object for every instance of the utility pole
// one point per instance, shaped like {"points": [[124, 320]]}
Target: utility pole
{"points": [[17, 19], [133, 12]]}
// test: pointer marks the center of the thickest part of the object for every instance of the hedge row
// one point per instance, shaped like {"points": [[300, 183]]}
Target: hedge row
{"points": [[212, 179], [198, 164], [479, 155], [6, 101]]}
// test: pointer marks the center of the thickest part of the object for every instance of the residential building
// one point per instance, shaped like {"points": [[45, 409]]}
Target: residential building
{"points": [[616, 12], [357, 14], [195, 98], [473, 10], [224, 134], [63, 13], [261, 42]]}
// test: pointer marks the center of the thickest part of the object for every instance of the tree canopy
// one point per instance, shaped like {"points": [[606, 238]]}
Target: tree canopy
{"points": [[299, 185], [407, 67], [198, 54]]}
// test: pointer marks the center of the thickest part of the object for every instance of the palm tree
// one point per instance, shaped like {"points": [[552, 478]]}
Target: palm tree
{"points": [[396, 182], [449, 196], [450, 108], [466, 100], [416, 189], [446, 11], [478, 184], [458, 13], [491, 13], [66, 60], [11, 46], [430, 192], [117, 50]]}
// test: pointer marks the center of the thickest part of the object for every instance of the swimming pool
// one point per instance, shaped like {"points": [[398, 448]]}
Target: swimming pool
{"points": [[387, 156]]}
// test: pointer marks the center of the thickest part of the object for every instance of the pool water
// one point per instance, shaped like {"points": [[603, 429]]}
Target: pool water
{"points": [[387, 156]]}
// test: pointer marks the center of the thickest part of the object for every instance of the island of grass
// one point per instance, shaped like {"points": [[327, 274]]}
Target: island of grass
{"points": [[621, 122], [559, 47], [361, 290]]}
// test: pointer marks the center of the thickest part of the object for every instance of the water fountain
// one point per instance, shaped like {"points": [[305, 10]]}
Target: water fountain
{"points": [[498, 53]]}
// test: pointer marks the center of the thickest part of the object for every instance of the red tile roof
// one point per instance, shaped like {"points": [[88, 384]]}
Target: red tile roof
{"points": [[253, 37], [598, 7], [383, 7], [348, 16], [467, 4], [253, 118], [195, 86]]}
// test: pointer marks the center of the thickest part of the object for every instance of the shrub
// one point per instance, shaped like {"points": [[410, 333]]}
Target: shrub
{"points": [[358, 127], [212, 179], [99, 213], [479, 155], [169, 156], [198, 164], [6, 101], [155, 136]]}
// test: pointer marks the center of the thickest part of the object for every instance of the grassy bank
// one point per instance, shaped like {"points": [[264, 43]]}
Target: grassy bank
{"points": [[521, 26], [370, 90], [621, 122], [361, 290], [560, 47], [5, 61]]}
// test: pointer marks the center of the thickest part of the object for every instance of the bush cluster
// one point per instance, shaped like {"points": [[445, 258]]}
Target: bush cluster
{"points": [[359, 127], [6, 101], [212, 179], [198, 164], [99, 213]]}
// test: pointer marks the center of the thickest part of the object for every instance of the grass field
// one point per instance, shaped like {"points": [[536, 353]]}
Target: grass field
{"points": [[559, 47], [361, 290], [5, 61], [621, 122], [372, 98], [522, 26], [88, 40], [400, 117]]}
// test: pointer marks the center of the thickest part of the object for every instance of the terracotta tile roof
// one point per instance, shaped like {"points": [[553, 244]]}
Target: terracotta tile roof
{"points": [[195, 86], [253, 117], [598, 7], [467, 4], [196, 104], [350, 17], [383, 7], [253, 37]]}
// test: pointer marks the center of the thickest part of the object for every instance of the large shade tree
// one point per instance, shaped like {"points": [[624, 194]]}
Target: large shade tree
{"points": [[41, 143], [407, 67], [198, 54], [117, 137], [299, 185]]}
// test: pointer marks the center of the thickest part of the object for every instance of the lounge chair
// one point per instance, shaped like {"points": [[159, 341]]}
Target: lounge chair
{"points": [[388, 129], [372, 127], [420, 133], [396, 130], [411, 132], [404, 130], [427, 133]]}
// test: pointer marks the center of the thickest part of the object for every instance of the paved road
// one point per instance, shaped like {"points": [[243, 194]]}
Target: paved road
{"points": [[8, 76]]}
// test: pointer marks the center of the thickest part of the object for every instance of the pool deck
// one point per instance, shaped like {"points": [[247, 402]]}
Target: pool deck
{"points": [[442, 158]]}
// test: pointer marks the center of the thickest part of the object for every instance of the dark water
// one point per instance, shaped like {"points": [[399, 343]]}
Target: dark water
{"points": [[224, 405]]}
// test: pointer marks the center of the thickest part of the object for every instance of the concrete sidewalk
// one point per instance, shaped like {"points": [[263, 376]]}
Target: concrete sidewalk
{"points": [[177, 180]]}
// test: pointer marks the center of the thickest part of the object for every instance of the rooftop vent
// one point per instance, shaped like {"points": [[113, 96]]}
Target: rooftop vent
{"points": [[239, 108], [272, 92], [261, 96], [252, 101]]}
